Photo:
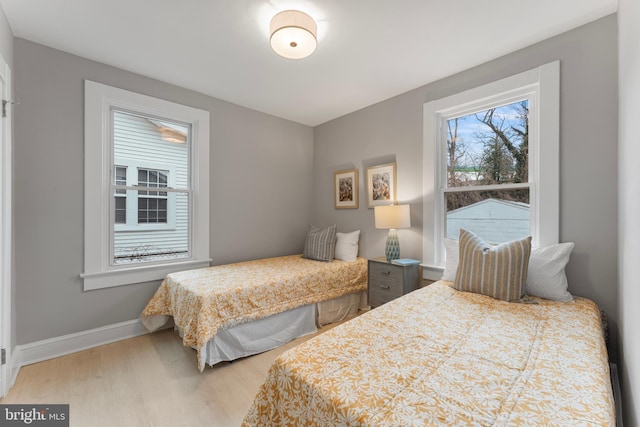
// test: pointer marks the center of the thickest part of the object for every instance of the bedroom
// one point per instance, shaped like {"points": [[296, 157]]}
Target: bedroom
{"points": [[48, 301]]}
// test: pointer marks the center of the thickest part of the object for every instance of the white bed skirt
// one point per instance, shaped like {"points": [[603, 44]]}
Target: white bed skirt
{"points": [[265, 334], [341, 308]]}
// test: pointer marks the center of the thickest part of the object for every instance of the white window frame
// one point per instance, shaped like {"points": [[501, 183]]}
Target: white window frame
{"points": [[541, 86], [100, 100]]}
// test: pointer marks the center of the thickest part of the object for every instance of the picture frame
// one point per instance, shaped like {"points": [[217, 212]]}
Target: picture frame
{"points": [[345, 189], [381, 185]]}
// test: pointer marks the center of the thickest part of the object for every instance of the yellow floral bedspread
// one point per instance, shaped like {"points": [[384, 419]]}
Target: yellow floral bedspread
{"points": [[206, 300], [442, 357]]}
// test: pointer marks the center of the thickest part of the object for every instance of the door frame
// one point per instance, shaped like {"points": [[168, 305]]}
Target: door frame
{"points": [[6, 273]]}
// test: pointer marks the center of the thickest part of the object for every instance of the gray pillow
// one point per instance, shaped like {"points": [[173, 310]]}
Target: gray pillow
{"points": [[320, 243]]}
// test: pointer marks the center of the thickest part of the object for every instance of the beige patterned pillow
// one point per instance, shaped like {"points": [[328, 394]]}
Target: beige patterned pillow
{"points": [[498, 271]]}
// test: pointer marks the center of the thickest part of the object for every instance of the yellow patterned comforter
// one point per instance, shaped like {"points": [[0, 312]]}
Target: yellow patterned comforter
{"points": [[206, 300], [442, 357]]}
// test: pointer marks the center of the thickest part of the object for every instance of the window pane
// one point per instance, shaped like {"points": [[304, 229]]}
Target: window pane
{"points": [[489, 147], [495, 216], [120, 178], [121, 210], [151, 210], [157, 153]]}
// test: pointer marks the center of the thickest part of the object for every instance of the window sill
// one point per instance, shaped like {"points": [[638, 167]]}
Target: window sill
{"points": [[431, 272], [129, 276]]}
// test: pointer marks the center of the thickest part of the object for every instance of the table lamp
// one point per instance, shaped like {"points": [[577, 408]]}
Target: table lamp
{"points": [[392, 217]]}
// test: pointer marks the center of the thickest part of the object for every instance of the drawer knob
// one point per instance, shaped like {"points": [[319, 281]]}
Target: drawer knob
{"points": [[386, 272], [385, 286]]}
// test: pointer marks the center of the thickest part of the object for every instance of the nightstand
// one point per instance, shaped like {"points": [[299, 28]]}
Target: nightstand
{"points": [[389, 281]]}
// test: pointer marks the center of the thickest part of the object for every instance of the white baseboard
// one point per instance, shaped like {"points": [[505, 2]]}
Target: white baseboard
{"points": [[59, 346], [14, 369]]}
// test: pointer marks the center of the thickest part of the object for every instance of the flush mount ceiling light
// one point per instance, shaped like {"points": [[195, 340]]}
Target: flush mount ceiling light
{"points": [[293, 34]]}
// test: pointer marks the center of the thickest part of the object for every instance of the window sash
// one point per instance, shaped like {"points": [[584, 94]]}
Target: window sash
{"points": [[442, 152]]}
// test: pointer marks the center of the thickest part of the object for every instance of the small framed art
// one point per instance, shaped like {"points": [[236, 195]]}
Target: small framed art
{"points": [[345, 189], [381, 185]]}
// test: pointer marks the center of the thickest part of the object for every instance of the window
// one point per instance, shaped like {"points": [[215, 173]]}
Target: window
{"points": [[491, 162], [146, 187], [486, 188], [152, 205]]}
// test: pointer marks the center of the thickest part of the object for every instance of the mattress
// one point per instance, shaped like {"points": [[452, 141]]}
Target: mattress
{"points": [[438, 356], [205, 301]]}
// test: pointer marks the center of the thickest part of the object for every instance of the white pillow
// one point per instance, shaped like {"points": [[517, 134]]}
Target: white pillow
{"points": [[451, 261], [347, 246], [546, 277]]}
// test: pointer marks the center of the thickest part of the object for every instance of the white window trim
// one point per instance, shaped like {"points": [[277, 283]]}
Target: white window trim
{"points": [[99, 100], [542, 84]]}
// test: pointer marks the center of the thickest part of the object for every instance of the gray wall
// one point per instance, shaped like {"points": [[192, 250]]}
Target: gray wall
{"points": [[392, 130], [6, 39], [261, 189], [629, 208]]}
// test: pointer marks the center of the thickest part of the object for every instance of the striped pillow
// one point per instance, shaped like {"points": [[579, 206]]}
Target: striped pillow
{"points": [[320, 244], [498, 271]]}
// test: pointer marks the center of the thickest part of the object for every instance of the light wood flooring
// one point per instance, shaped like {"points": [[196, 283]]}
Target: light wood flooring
{"points": [[151, 380]]}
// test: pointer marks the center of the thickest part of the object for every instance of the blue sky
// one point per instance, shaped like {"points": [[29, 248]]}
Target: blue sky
{"points": [[470, 128]]}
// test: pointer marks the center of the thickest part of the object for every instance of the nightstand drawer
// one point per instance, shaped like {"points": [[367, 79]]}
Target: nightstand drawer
{"points": [[385, 272], [385, 288], [390, 281], [376, 299]]}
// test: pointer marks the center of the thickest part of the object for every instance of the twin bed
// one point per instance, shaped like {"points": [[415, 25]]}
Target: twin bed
{"points": [[236, 310], [441, 355]]}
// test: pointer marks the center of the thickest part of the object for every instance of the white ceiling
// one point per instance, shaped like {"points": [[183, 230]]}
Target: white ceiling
{"points": [[368, 50]]}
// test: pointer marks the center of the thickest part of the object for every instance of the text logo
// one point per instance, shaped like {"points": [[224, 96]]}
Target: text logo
{"points": [[34, 415]]}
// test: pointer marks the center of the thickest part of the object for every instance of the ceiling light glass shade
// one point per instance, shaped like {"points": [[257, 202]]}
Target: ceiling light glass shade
{"points": [[293, 34]]}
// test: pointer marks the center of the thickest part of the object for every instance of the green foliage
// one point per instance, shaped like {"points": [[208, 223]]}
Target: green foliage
{"points": [[503, 138]]}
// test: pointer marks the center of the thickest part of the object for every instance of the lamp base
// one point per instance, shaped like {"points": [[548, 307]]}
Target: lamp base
{"points": [[392, 249]]}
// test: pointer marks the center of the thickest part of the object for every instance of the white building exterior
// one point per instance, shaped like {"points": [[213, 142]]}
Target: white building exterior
{"points": [[493, 220]]}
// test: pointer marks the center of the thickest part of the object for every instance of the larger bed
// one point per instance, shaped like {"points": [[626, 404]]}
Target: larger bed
{"points": [[235, 310], [439, 356]]}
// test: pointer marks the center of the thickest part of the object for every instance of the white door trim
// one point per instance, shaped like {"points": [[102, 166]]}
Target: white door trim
{"points": [[6, 371]]}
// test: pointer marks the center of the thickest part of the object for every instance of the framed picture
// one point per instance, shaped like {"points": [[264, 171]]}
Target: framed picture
{"points": [[345, 189], [381, 185]]}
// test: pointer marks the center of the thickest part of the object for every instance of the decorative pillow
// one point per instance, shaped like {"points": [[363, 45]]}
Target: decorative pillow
{"points": [[320, 244], [347, 245], [451, 260], [498, 271], [546, 277]]}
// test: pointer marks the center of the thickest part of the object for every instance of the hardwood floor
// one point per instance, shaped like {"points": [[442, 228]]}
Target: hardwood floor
{"points": [[151, 380]]}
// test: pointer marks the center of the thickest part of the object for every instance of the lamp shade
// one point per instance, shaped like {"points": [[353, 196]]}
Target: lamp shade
{"points": [[293, 34], [394, 216]]}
